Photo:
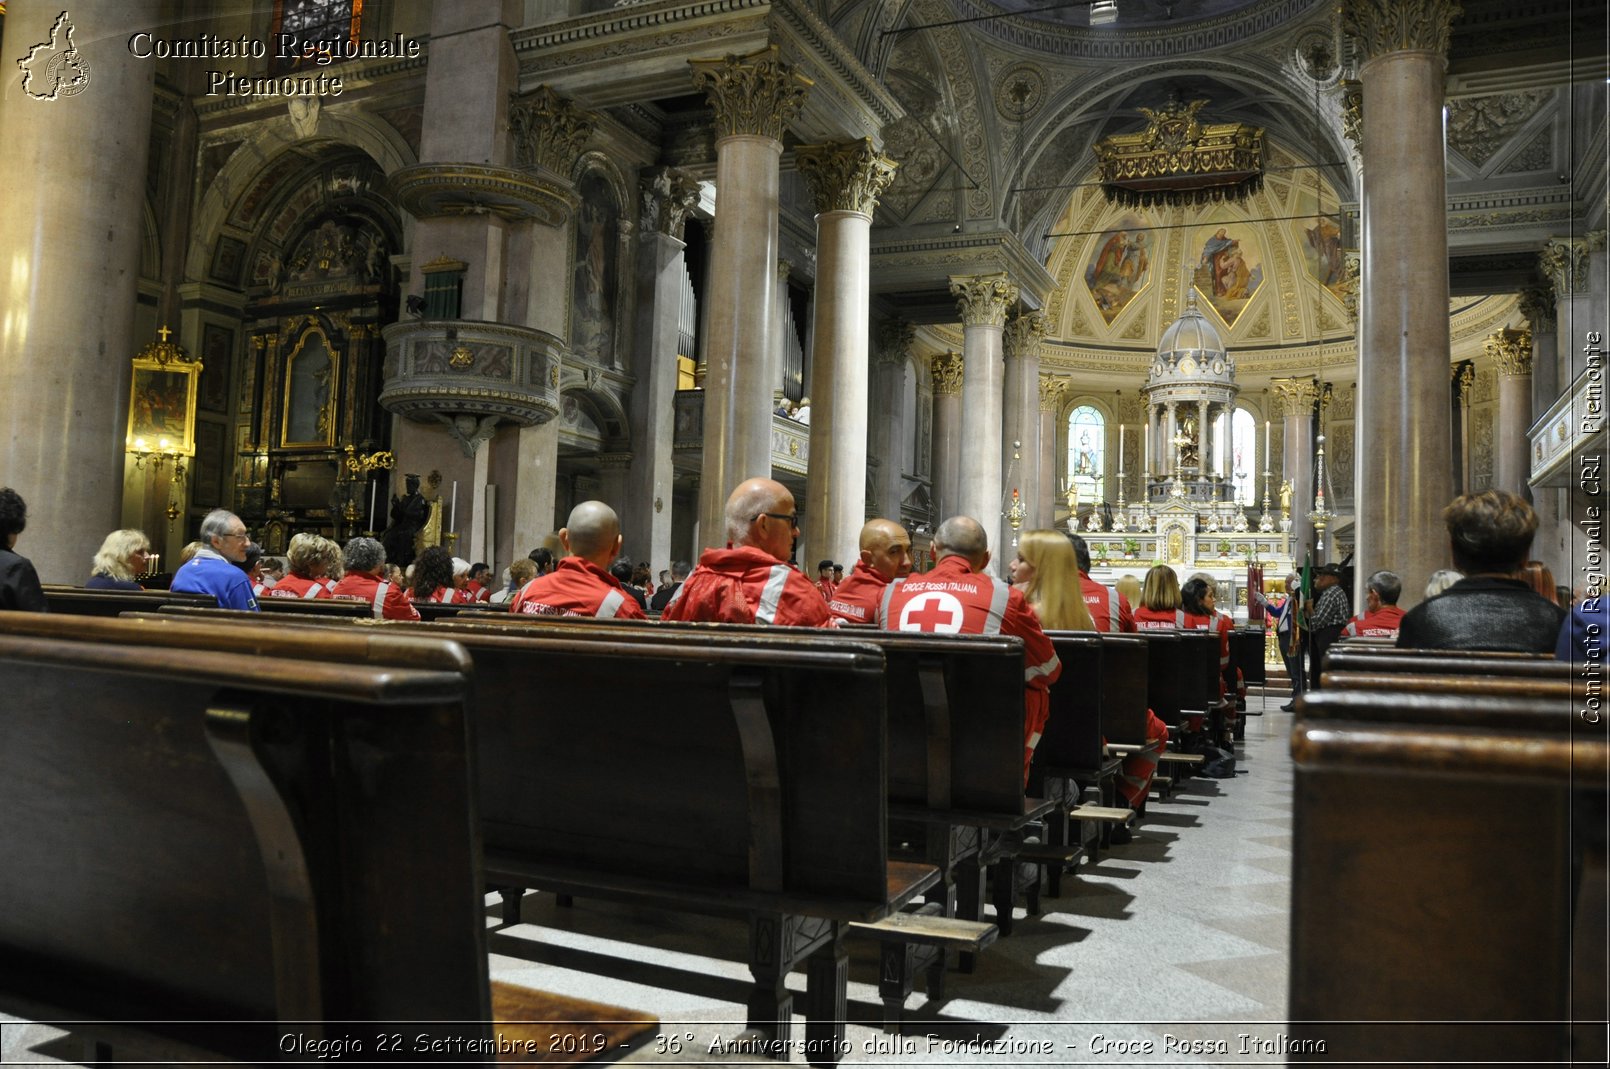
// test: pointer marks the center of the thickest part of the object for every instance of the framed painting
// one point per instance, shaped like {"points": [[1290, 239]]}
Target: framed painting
{"points": [[309, 381], [162, 406]]}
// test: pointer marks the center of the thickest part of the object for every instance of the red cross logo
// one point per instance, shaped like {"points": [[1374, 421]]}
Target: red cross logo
{"points": [[934, 612]]}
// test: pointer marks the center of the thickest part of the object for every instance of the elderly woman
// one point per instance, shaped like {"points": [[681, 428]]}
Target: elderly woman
{"points": [[309, 568], [120, 559], [521, 572]]}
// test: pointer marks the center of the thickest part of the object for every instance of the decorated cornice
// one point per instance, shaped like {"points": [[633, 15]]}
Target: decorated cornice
{"points": [[669, 196], [1382, 27], [845, 176], [1233, 30], [894, 338], [982, 300], [755, 94], [1511, 350], [1296, 396], [906, 263], [1565, 263], [1538, 306], [812, 43], [430, 190], [1479, 126], [947, 372], [548, 130], [1053, 391], [1024, 335]]}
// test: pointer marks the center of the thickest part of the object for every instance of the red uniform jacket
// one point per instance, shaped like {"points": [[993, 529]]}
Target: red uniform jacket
{"points": [[953, 599], [295, 586], [576, 588], [1382, 623], [474, 591], [826, 586], [386, 600], [1108, 608], [1157, 619], [748, 585], [855, 601]]}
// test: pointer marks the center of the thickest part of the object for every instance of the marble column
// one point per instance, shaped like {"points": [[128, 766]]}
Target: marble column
{"points": [[1404, 479], [781, 325], [1171, 430], [754, 97], [888, 431], [668, 196], [983, 301], [1297, 397], [1511, 351], [1566, 263], [1464, 379], [845, 179], [76, 126], [1538, 306], [1053, 392], [1020, 417], [947, 438]]}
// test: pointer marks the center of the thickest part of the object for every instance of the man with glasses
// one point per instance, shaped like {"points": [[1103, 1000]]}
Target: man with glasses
{"points": [[216, 567], [751, 582]]}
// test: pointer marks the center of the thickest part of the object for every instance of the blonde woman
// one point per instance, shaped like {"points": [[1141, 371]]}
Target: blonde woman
{"points": [[1129, 588], [309, 564], [1047, 571], [1159, 600], [120, 559]]}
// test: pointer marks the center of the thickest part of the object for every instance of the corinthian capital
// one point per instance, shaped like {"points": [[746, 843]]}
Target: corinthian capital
{"points": [[548, 130], [669, 196], [1537, 305], [1565, 262], [1297, 396], [894, 339], [753, 94], [1052, 391], [1385, 26], [845, 176], [1511, 350], [1353, 114], [983, 299], [947, 371], [1024, 334]]}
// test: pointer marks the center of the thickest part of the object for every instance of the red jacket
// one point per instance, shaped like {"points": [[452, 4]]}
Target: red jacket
{"points": [[1108, 608], [295, 586], [953, 599], [1158, 619], [386, 600], [855, 601], [748, 585], [1382, 623], [576, 588]]}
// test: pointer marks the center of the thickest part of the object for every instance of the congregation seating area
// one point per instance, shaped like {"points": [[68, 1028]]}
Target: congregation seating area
{"points": [[345, 815]]}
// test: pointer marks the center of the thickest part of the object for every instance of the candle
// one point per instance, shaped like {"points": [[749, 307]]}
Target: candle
{"points": [[372, 486], [452, 515], [1146, 447], [1120, 447], [1265, 445]]}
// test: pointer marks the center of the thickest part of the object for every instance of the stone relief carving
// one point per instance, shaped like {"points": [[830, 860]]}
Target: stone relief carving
{"points": [[548, 130], [1536, 155], [845, 176], [1479, 126], [753, 94], [1481, 453]]}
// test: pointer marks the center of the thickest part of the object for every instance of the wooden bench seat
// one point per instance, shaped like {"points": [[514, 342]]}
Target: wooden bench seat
{"points": [[78, 601]]}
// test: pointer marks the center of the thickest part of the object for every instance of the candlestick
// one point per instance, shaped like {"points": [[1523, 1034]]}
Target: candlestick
{"points": [[372, 486], [452, 515], [1146, 448]]}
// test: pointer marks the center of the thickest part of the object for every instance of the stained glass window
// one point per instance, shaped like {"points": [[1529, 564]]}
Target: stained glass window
{"points": [[313, 21], [1087, 451]]}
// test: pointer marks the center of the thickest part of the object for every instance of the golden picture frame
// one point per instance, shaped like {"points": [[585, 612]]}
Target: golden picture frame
{"points": [[162, 407]]}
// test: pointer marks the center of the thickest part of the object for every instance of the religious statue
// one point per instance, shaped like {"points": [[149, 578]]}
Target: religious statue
{"points": [[1285, 498], [408, 515], [431, 534]]}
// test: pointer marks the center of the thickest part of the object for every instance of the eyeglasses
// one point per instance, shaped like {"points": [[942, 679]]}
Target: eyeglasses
{"points": [[243, 536], [791, 517]]}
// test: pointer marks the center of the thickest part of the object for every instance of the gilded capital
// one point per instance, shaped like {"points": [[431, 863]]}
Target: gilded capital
{"points": [[1052, 391], [1537, 305], [1023, 335], [1353, 114], [1382, 27], [983, 299], [548, 130], [845, 176], [755, 94], [947, 371], [1565, 263], [894, 339], [1297, 396], [1511, 350], [669, 197], [1464, 376]]}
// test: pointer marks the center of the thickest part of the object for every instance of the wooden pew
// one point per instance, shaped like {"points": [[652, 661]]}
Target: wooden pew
{"points": [[202, 844], [433, 610], [326, 607], [1071, 758], [1435, 840], [77, 601], [1246, 656]]}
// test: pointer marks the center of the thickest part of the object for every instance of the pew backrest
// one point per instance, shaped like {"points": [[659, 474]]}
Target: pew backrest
{"points": [[1072, 738], [77, 601], [1124, 684]]}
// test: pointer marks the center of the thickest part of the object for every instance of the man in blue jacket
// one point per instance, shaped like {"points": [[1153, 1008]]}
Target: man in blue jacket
{"points": [[215, 569]]}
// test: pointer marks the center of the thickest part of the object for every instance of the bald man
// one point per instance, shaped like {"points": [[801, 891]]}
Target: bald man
{"points": [[581, 585], [751, 582], [885, 557], [956, 597]]}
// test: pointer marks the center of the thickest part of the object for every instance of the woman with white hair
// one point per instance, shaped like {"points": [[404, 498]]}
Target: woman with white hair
{"points": [[119, 561]]}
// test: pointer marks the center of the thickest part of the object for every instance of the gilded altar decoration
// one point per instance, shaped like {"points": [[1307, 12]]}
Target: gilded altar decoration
{"points": [[1180, 161], [462, 358], [162, 401]]}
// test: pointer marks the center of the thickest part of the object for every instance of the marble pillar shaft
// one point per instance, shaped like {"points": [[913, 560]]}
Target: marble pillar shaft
{"points": [[947, 454], [1020, 420], [742, 292], [835, 483], [1298, 468], [646, 520], [1404, 471], [1046, 496], [887, 433], [979, 481], [71, 226], [1512, 468]]}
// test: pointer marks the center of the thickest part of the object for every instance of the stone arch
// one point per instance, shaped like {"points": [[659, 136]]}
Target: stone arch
{"points": [[601, 409]]}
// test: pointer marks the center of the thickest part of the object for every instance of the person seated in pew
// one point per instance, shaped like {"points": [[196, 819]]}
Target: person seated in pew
{"points": [[1198, 603], [306, 578], [433, 577], [1381, 617], [1440, 581], [479, 581], [885, 557], [19, 583], [582, 584], [216, 567], [119, 561], [1111, 609], [1046, 570], [957, 597], [1585, 634], [365, 564], [1490, 535], [824, 579], [1160, 607], [461, 581], [624, 571], [253, 567], [677, 576], [521, 572], [752, 581]]}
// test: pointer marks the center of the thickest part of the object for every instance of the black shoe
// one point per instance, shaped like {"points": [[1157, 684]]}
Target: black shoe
{"points": [[1120, 835], [1289, 707]]}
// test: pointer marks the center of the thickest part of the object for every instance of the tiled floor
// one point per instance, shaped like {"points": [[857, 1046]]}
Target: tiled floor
{"points": [[1168, 951]]}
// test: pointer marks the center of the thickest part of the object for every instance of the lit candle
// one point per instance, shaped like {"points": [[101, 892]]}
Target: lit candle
{"points": [[1265, 445], [452, 515]]}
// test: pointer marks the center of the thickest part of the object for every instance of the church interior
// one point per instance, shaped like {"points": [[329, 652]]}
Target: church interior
{"points": [[1230, 285]]}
